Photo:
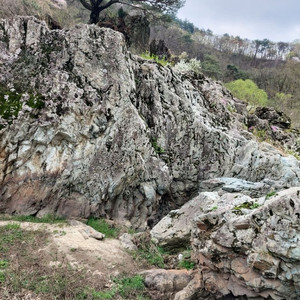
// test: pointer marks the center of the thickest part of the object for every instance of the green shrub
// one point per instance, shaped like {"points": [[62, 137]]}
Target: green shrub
{"points": [[186, 261], [129, 286], [246, 205], [102, 226], [247, 90], [148, 251], [146, 55], [11, 103], [270, 194], [186, 264], [2, 277]]}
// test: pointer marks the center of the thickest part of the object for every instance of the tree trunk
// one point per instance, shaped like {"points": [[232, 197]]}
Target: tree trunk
{"points": [[94, 16]]}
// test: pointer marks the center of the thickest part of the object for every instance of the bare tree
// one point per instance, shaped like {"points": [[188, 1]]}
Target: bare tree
{"points": [[97, 6]]}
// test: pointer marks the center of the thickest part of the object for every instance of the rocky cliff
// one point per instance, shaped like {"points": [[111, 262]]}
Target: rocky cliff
{"points": [[115, 135], [88, 129]]}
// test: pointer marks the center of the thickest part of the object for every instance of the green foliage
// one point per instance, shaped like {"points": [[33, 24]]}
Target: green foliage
{"points": [[158, 149], [184, 24], [2, 277], [247, 90], [152, 254], [211, 66], [270, 194], [3, 264], [233, 73], [148, 251], [9, 235], [294, 153], [254, 205], [231, 108], [49, 218], [93, 294], [246, 205], [129, 286], [102, 226], [186, 262], [121, 13], [126, 287], [11, 102], [261, 134], [146, 55]]}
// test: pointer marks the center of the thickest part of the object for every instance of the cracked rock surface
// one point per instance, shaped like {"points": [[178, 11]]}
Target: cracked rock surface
{"points": [[117, 136], [251, 252]]}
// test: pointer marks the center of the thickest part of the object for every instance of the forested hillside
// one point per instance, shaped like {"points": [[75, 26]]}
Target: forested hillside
{"points": [[274, 67]]}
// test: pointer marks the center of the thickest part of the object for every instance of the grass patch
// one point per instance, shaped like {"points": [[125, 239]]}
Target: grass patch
{"points": [[186, 264], [158, 149], [128, 287], [186, 261], [125, 287], [149, 252], [102, 226], [49, 218], [146, 55], [270, 194], [246, 205]]}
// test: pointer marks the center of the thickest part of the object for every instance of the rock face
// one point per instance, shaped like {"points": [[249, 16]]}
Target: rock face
{"points": [[251, 252], [116, 136]]}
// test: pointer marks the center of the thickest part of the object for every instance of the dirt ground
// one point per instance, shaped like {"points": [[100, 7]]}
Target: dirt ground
{"points": [[101, 258], [66, 244]]}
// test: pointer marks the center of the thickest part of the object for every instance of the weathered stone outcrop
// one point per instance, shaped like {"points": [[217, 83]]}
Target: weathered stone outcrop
{"points": [[118, 136], [245, 248], [251, 252]]}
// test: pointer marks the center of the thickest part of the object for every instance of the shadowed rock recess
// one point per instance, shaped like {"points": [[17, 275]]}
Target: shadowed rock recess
{"points": [[97, 131]]}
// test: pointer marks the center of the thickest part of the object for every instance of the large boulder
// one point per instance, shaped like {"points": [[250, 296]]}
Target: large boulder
{"points": [[173, 232], [94, 130]]}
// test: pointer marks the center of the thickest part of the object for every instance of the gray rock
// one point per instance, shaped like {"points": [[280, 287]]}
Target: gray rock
{"points": [[167, 281], [118, 136], [87, 231], [255, 254], [174, 230], [127, 242]]}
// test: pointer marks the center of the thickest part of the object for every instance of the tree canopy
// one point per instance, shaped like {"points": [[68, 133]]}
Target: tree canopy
{"points": [[247, 90], [97, 6]]}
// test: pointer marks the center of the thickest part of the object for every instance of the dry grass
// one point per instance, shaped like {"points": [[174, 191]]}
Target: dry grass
{"points": [[66, 17]]}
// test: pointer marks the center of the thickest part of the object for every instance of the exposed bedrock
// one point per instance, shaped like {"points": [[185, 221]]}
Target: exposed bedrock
{"points": [[116, 136], [244, 248]]}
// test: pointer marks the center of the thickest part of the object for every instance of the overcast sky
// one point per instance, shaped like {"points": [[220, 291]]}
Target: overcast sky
{"points": [[277, 20]]}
